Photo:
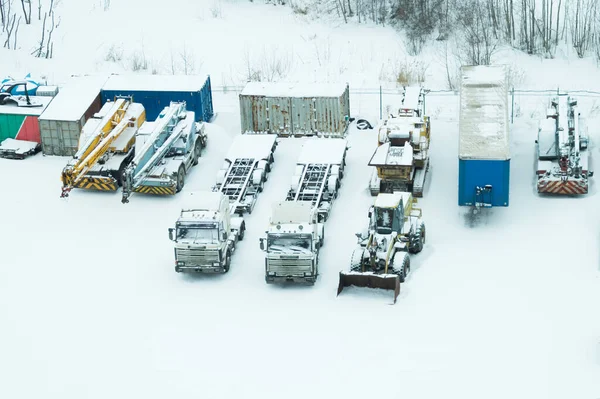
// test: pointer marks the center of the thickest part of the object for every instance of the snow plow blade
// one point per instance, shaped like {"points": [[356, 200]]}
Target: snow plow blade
{"points": [[370, 280]]}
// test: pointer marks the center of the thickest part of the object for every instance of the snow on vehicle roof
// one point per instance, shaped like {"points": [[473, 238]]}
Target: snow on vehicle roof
{"points": [[385, 154], [13, 109], [285, 212], [411, 97], [283, 89], [257, 146], [483, 118], [73, 100], [19, 146], [323, 151], [202, 200], [388, 200], [135, 82]]}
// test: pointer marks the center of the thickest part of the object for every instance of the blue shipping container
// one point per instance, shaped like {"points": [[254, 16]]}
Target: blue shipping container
{"points": [[473, 173], [155, 92]]}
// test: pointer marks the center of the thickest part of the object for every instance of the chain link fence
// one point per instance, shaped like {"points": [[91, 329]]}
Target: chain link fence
{"points": [[375, 103]]}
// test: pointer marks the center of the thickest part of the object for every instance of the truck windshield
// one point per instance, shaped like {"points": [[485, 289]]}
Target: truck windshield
{"points": [[289, 243], [208, 232]]}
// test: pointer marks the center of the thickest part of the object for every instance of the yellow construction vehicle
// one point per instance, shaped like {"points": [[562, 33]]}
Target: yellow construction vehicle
{"points": [[381, 258], [401, 160], [106, 147]]}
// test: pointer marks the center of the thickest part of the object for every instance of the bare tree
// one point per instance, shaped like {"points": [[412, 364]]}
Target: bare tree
{"points": [[188, 60], [26, 10], [10, 19], [2, 13], [45, 47], [583, 25], [478, 43]]}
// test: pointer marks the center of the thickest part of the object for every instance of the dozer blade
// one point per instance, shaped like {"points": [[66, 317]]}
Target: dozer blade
{"points": [[370, 280]]}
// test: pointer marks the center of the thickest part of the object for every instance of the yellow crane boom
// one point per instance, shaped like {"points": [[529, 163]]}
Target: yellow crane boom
{"points": [[109, 129]]}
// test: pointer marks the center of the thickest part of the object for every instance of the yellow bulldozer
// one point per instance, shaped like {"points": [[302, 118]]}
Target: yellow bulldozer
{"points": [[381, 258]]}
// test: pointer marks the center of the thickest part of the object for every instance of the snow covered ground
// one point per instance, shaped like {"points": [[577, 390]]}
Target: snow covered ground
{"points": [[91, 305]]}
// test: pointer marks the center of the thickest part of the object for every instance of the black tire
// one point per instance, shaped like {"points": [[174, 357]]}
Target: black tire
{"points": [[242, 232], [404, 269], [322, 241], [418, 240], [197, 150], [227, 262], [180, 178]]}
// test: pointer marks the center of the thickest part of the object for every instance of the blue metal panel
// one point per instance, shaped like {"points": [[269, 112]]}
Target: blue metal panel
{"points": [[473, 173], [154, 101]]}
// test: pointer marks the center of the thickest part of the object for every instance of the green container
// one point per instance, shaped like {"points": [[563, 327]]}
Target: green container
{"points": [[10, 125]]}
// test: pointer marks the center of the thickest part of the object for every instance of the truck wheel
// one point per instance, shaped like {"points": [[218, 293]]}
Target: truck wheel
{"points": [[227, 262], [242, 231], [119, 175], [180, 178], [322, 239], [197, 150]]}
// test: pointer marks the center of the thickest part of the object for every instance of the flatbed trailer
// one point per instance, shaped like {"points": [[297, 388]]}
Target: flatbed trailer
{"points": [[245, 169]]}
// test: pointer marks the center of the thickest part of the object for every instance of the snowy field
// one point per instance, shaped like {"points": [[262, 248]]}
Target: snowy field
{"points": [[505, 306], [91, 306]]}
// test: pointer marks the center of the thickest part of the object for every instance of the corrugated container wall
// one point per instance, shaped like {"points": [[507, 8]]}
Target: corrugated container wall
{"points": [[155, 92], [291, 109], [478, 173], [21, 123], [61, 137]]}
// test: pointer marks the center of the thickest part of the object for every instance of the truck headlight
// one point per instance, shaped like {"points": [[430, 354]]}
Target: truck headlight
{"points": [[180, 263], [271, 273]]}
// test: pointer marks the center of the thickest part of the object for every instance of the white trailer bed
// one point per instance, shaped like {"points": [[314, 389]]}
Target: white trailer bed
{"points": [[323, 151]]}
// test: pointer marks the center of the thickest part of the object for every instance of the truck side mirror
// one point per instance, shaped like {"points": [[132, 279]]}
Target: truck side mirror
{"points": [[171, 230], [262, 243], [224, 236]]}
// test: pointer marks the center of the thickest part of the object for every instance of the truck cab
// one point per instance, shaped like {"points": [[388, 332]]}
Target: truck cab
{"points": [[292, 243], [206, 234]]}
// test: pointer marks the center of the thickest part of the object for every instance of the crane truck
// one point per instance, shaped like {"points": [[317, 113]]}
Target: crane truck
{"points": [[562, 165], [381, 258], [401, 160], [245, 170], [296, 227], [206, 233], [106, 147], [166, 150]]}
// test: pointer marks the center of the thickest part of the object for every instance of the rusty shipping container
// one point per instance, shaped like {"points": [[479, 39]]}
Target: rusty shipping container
{"points": [[62, 121], [295, 109]]}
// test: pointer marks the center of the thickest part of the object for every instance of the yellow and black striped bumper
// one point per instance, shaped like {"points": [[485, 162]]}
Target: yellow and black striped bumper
{"points": [[97, 183], [156, 190]]}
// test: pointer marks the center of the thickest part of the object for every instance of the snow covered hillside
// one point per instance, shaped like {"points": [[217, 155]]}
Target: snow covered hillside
{"points": [[234, 40], [505, 306]]}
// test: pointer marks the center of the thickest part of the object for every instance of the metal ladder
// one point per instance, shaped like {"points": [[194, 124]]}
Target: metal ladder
{"points": [[236, 180], [312, 183]]}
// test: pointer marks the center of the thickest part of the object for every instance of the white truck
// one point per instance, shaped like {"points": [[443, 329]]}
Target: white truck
{"points": [[296, 230], [206, 234], [244, 171], [292, 243], [319, 172]]}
